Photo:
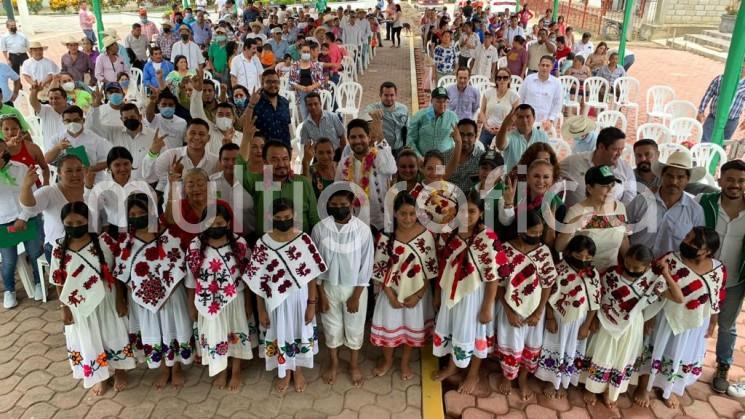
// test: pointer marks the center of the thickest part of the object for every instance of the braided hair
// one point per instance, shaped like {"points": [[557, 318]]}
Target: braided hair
{"points": [[80, 208]]}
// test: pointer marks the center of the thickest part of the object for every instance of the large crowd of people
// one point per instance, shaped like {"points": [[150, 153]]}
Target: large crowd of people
{"points": [[177, 229]]}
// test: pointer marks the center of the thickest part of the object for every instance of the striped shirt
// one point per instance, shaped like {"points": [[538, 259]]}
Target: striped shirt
{"points": [[712, 94]]}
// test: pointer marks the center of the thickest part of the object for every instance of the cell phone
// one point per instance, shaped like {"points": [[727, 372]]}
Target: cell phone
{"points": [[11, 229]]}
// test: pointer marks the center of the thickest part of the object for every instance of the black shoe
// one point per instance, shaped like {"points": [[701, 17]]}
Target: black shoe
{"points": [[720, 384]]}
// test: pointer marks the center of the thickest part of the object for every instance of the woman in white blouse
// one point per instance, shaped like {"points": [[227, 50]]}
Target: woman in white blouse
{"points": [[496, 104]]}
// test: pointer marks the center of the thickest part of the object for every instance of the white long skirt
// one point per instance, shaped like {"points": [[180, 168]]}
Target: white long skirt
{"points": [[230, 334], [610, 363], [393, 327], [675, 362], [458, 331], [562, 353], [289, 343], [99, 344], [517, 346], [166, 334]]}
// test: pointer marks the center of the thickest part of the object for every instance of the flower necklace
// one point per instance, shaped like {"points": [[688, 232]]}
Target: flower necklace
{"points": [[367, 171]]}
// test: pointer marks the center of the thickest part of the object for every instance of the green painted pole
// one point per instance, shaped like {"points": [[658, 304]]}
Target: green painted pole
{"points": [[730, 79], [8, 6], [99, 23], [555, 14], [625, 30], [517, 6], [185, 3]]}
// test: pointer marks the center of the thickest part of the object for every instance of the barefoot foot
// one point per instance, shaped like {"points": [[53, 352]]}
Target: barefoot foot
{"points": [[525, 392], [357, 377], [641, 397], [283, 383], [329, 376], [220, 380], [504, 386], [382, 367], [590, 398], [671, 402], [406, 373], [469, 384], [235, 381], [549, 391], [445, 372], [177, 376], [120, 380], [299, 379], [162, 379], [100, 388]]}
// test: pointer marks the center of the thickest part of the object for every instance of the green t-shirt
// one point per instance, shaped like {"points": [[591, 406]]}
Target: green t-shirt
{"points": [[80, 98], [218, 56], [9, 110]]}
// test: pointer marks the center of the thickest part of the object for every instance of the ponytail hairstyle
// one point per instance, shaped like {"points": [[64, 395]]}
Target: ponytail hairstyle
{"points": [[237, 250], [80, 208]]}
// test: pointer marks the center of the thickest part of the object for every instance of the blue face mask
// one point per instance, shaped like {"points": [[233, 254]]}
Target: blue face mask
{"points": [[167, 111], [116, 99], [124, 84], [240, 102]]}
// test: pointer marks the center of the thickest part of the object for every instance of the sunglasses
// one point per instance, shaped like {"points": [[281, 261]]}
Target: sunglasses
{"points": [[503, 78]]}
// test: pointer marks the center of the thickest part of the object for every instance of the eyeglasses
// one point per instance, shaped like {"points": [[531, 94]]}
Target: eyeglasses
{"points": [[502, 78]]}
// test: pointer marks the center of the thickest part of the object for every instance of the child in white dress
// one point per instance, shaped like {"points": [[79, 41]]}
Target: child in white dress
{"points": [[573, 304], [153, 266], [284, 265], [527, 279], [405, 263], [468, 281], [94, 304], [627, 290], [219, 301]]}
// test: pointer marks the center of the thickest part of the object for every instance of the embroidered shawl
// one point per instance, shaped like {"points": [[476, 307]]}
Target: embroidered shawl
{"points": [[703, 294], [216, 274], [622, 298], [277, 269], [466, 263], [151, 270], [575, 292], [524, 275], [409, 266]]}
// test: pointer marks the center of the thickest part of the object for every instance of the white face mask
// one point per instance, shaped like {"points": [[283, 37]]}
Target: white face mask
{"points": [[223, 124], [68, 86], [73, 128]]}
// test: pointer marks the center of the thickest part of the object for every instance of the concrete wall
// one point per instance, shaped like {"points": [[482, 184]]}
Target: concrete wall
{"points": [[698, 12]]}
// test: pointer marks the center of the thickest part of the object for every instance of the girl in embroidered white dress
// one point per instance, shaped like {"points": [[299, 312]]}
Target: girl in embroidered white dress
{"points": [[152, 264], [94, 304], [218, 300], [627, 290], [674, 355], [573, 304], [282, 273], [405, 262], [468, 280], [526, 281]]}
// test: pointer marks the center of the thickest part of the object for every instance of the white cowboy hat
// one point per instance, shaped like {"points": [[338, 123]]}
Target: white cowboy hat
{"points": [[36, 44], [108, 41], [69, 39], [329, 18], [680, 159], [577, 126]]}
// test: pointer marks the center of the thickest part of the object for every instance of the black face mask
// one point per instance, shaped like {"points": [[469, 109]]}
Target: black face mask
{"points": [[339, 213], [688, 251], [184, 37], [576, 263], [216, 232], [166, 30], [13, 30], [132, 124], [633, 274], [76, 232], [283, 225], [530, 240], [138, 223]]}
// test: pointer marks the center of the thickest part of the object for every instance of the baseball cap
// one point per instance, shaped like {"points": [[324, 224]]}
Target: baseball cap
{"points": [[112, 85], [491, 158], [276, 30], [440, 92], [600, 175]]}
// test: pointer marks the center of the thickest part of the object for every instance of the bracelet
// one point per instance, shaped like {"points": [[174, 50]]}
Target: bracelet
{"points": [[152, 155], [312, 301]]}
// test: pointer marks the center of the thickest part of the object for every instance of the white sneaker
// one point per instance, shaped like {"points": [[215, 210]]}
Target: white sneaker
{"points": [[37, 293], [9, 300], [737, 389]]}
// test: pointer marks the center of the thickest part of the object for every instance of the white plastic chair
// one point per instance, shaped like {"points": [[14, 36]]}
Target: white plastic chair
{"points": [[34, 128], [667, 149], [501, 62], [478, 81], [349, 99], [626, 95], [327, 100], [569, 84], [657, 98], [135, 76], [628, 155], [703, 155], [349, 71], [607, 119], [686, 129], [679, 109], [207, 75], [654, 131], [446, 81], [284, 82], [596, 89], [561, 148], [515, 83]]}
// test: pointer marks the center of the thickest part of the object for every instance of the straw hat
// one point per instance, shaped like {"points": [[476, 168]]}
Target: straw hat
{"points": [[329, 18], [111, 32], [36, 44], [577, 126], [680, 159], [108, 41], [69, 39]]}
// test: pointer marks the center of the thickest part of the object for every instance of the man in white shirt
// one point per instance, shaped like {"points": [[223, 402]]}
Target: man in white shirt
{"points": [[610, 144], [14, 45], [352, 30], [166, 121], [246, 68], [513, 30], [543, 92], [583, 47], [50, 115], [75, 135], [188, 49], [138, 43], [221, 131], [229, 188], [37, 68]]}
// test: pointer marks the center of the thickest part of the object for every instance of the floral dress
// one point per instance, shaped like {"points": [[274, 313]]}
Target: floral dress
{"points": [[574, 295], [223, 327], [611, 356], [466, 265], [97, 340], [674, 354], [405, 268], [279, 273], [523, 277], [159, 323]]}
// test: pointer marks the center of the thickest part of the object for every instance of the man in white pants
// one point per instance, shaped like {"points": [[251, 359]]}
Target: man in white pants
{"points": [[346, 243]]}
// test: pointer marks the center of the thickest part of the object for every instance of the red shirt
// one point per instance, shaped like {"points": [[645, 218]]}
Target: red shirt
{"points": [[561, 53]]}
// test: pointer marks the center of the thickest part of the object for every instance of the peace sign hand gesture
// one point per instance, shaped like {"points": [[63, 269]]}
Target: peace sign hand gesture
{"points": [[97, 97], [158, 142], [176, 169], [508, 195], [197, 82]]}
